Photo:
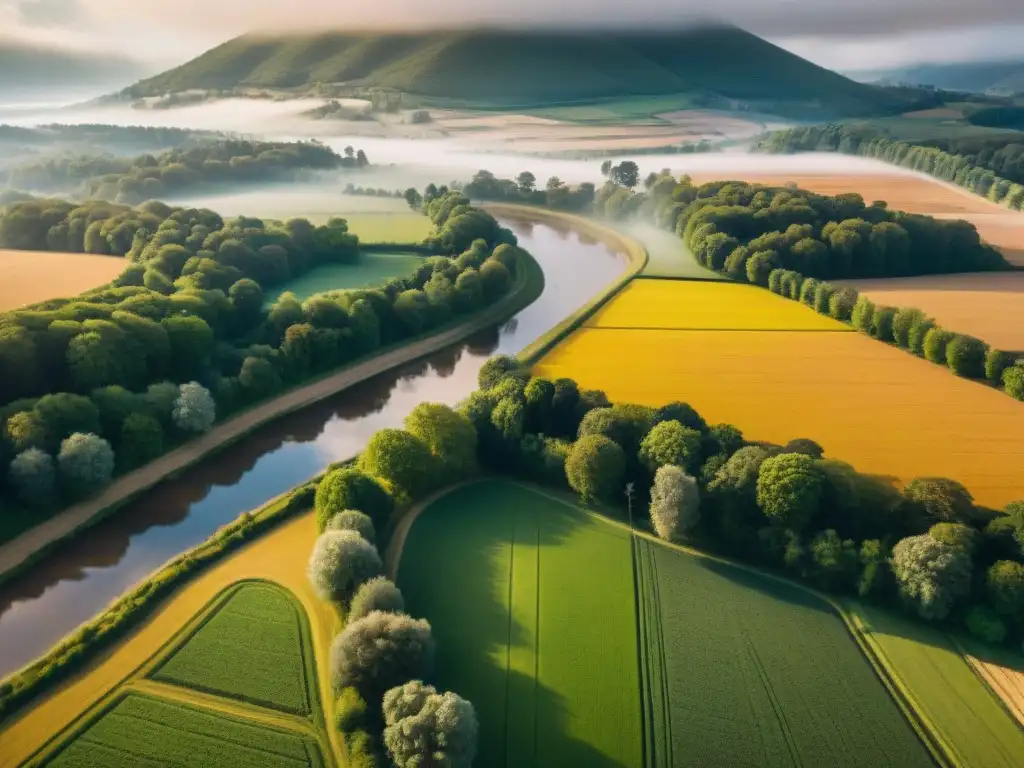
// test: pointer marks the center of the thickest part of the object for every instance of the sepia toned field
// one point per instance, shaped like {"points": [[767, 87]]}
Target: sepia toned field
{"points": [[884, 411], [903, 191], [989, 305], [27, 277], [699, 304], [1004, 230]]}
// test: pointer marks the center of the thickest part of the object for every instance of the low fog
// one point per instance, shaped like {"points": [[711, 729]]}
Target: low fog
{"points": [[398, 163]]}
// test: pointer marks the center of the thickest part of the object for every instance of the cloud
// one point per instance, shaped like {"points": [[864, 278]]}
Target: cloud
{"points": [[48, 13]]}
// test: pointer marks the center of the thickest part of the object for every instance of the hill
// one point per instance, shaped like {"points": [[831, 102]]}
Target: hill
{"points": [[997, 77], [528, 68]]}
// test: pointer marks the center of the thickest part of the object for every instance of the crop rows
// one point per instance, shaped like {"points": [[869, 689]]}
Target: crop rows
{"points": [[884, 411], [251, 649], [653, 667], [764, 674], [144, 731], [549, 658]]}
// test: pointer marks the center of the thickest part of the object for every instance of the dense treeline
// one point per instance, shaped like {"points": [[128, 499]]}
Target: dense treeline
{"points": [[205, 164], [123, 138], [908, 328], [994, 171], [555, 194], [926, 547], [121, 373], [746, 230]]}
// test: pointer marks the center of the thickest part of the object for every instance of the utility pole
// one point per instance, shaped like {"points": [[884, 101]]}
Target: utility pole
{"points": [[629, 502]]}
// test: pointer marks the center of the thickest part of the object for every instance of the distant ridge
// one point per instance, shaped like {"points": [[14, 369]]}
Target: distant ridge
{"points": [[527, 67], [1003, 77]]}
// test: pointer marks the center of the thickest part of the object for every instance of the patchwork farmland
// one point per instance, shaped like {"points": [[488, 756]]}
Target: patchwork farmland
{"points": [[886, 412], [28, 277], [549, 658]]}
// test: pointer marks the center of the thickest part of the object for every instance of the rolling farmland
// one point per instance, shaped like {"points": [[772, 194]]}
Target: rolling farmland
{"points": [[549, 658], [254, 647], [142, 731], [672, 304], [989, 305], [28, 277], [753, 672], [939, 681], [879, 408]]}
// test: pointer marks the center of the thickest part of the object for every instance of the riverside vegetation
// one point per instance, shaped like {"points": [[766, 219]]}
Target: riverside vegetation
{"points": [[111, 379]]}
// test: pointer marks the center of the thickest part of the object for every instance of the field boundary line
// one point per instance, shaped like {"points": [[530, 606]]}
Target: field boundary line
{"points": [[970, 659], [646, 698], [713, 330], [32, 545], [660, 628], [926, 731]]}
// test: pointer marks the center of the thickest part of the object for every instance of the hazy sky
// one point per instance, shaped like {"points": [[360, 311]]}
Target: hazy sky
{"points": [[836, 33]]}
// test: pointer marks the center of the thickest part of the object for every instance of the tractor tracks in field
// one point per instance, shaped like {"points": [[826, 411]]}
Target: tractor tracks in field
{"points": [[654, 694]]}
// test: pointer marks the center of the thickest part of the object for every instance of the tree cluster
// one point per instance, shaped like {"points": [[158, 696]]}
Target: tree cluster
{"points": [[908, 328], [382, 655], [190, 308], [746, 230], [993, 171], [209, 163], [554, 194], [925, 547]]}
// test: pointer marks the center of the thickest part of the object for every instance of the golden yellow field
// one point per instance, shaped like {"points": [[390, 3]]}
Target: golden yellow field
{"points": [[989, 305], [30, 276], [877, 407], [700, 304]]}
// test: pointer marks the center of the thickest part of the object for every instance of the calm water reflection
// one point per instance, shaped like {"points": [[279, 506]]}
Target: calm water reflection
{"points": [[83, 576]]}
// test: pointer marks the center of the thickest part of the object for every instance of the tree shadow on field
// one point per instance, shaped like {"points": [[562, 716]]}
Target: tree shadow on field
{"points": [[456, 572]]}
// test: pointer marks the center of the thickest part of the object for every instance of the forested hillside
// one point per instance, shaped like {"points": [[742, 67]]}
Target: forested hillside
{"points": [[531, 67]]}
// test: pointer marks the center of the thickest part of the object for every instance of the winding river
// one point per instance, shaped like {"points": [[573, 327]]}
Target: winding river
{"points": [[86, 573]]}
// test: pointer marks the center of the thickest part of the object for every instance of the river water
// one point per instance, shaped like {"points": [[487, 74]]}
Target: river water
{"points": [[87, 573]]}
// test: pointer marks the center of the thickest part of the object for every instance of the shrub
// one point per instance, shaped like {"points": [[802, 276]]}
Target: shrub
{"points": [[496, 368], [1013, 381], [402, 459], [341, 561], [965, 356], [595, 467], [380, 651], [142, 440], [919, 328], [809, 292], [985, 625], [624, 427], [996, 361], [194, 410], [671, 443], [955, 535], [684, 413], [34, 479], [882, 322], [775, 280], [903, 322], [760, 266], [86, 464], [841, 303], [675, 502], [449, 436], [377, 594], [941, 499], [353, 520], [931, 576], [723, 438], [806, 446], [789, 489], [863, 314], [351, 712], [823, 293], [1005, 584], [424, 727], [935, 342], [349, 488]]}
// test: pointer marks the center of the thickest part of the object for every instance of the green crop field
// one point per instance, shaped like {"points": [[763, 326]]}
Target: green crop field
{"points": [[254, 646], [532, 605], [143, 731], [942, 686], [371, 269], [405, 227], [668, 255], [742, 670], [615, 111]]}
